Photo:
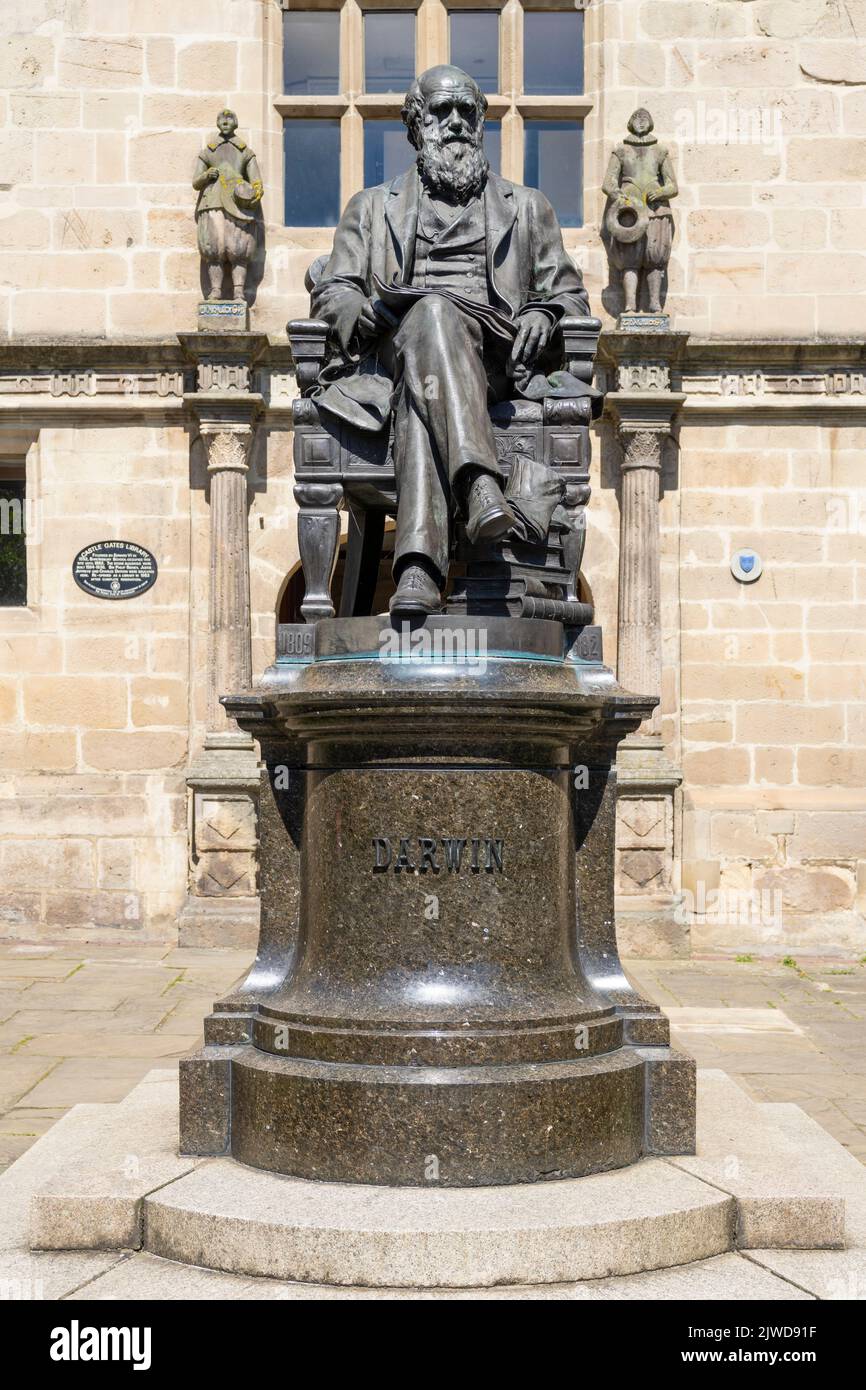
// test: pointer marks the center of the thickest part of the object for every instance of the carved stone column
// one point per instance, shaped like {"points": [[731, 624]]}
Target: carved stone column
{"points": [[644, 410], [228, 444], [222, 907], [638, 626]]}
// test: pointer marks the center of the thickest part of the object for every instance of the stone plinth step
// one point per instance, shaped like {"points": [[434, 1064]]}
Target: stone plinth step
{"points": [[753, 1183], [250, 1222]]}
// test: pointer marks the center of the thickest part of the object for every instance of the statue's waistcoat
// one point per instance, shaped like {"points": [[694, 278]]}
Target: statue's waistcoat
{"points": [[452, 256]]}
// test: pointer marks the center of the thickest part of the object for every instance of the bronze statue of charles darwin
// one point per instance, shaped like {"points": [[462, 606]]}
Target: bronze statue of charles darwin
{"points": [[441, 294]]}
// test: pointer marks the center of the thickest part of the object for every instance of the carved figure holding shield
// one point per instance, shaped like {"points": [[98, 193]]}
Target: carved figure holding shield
{"points": [[639, 225], [228, 211]]}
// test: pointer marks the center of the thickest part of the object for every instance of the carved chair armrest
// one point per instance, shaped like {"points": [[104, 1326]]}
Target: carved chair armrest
{"points": [[308, 339], [580, 344]]}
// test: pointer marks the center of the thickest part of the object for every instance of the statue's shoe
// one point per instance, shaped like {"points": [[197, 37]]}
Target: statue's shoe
{"points": [[488, 515], [416, 593]]}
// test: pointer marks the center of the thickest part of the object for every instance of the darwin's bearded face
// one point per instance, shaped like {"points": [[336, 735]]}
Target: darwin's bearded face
{"points": [[447, 128]]}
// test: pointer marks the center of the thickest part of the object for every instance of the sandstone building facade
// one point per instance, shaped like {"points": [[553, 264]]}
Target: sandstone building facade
{"points": [[127, 806]]}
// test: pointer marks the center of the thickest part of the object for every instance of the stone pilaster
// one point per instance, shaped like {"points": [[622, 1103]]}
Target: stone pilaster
{"points": [[222, 907], [644, 408], [228, 442], [638, 625]]}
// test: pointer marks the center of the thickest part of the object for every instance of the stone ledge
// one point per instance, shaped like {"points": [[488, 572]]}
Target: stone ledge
{"points": [[654, 1216], [250, 1222], [96, 1202]]}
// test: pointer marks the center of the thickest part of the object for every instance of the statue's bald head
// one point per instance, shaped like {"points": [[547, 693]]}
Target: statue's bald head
{"points": [[446, 87]]}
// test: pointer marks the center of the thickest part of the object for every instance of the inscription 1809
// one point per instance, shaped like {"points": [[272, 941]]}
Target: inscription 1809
{"points": [[479, 855]]}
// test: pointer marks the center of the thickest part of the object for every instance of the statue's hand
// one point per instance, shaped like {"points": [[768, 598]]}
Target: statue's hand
{"points": [[654, 196], [213, 174], [375, 319], [533, 335]]}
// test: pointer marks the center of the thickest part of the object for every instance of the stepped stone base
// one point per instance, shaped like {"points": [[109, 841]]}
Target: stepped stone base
{"points": [[759, 1212]]}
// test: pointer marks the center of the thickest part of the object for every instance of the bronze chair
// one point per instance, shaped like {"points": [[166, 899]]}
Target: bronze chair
{"points": [[337, 465]]}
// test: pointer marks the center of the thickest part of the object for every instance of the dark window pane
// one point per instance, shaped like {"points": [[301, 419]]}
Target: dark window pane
{"points": [[387, 151], [311, 52], [13, 544], [552, 52], [553, 162], [475, 45], [493, 144], [389, 51], [312, 177]]}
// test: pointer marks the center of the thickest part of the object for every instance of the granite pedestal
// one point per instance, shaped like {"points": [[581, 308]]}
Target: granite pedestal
{"points": [[437, 998]]}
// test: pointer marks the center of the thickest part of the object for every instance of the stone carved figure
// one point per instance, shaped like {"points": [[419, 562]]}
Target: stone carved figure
{"points": [[639, 183], [441, 295], [228, 211]]}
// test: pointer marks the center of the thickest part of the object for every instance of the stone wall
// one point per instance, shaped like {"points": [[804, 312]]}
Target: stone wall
{"points": [[107, 101], [765, 101], [773, 702], [94, 696]]}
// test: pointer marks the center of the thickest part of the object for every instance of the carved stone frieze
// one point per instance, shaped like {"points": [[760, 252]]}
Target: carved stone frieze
{"points": [[223, 376], [92, 383], [644, 376], [758, 383]]}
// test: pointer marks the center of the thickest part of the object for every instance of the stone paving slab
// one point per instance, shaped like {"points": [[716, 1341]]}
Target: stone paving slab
{"points": [[91, 1078], [26, 1275], [784, 1199], [75, 1134], [824, 1071], [97, 1201], [104, 1044], [724, 1022], [723, 1277], [84, 1022], [821, 1273]]}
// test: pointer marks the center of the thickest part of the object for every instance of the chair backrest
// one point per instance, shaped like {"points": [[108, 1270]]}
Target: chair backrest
{"points": [[314, 271]]}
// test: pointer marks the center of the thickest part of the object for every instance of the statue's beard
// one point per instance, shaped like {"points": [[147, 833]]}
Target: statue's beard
{"points": [[456, 169]]}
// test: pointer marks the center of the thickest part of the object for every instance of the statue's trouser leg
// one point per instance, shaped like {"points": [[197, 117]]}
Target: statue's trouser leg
{"points": [[659, 239], [654, 287], [239, 279], [629, 280], [441, 424], [212, 247], [240, 246]]}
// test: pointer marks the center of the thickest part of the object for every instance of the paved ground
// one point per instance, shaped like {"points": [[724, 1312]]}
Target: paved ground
{"points": [[86, 1022]]}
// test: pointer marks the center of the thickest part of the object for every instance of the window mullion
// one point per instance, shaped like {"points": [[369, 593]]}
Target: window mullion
{"points": [[510, 79], [511, 49], [352, 125], [431, 35], [352, 50]]}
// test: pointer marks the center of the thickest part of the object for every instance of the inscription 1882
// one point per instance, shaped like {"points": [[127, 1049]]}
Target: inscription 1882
{"points": [[426, 854]]}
